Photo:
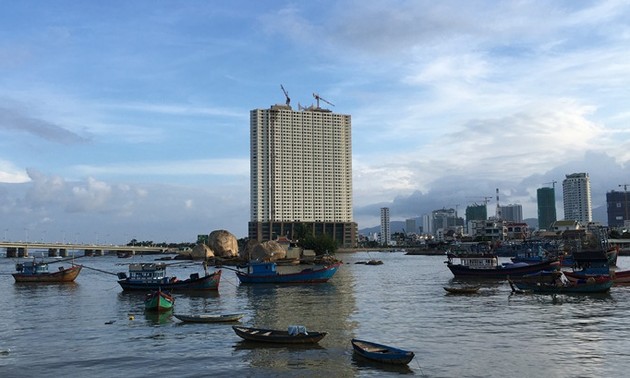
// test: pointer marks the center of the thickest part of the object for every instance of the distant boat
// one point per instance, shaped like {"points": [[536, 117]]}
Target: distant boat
{"points": [[37, 271], [483, 265], [208, 318], [266, 272], [293, 335], [382, 353], [124, 254], [159, 301], [152, 276], [591, 285]]}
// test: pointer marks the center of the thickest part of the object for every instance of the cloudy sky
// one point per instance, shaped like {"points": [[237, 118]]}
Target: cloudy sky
{"points": [[130, 119]]}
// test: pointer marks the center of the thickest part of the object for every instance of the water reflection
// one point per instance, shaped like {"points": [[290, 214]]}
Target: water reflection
{"points": [[158, 317]]}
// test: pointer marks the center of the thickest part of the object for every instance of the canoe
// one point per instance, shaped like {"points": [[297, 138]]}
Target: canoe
{"points": [[158, 301], [209, 318], [462, 290], [382, 353], [278, 336]]}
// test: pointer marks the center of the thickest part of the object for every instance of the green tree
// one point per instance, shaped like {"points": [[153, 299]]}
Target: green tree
{"points": [[321, 244]]}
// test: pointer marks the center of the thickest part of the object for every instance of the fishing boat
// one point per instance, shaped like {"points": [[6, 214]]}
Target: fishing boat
{"points": [[592, 285], [484, 265], [37, 271], [462, 290], [382, 353], [209, 318], [293, 335], [152, 276], [158, 301], [266, 272]]}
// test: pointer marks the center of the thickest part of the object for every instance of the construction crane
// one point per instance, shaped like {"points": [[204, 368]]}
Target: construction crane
{"points": [[486, 199], [286, 94], [317, 98], [553, 183]]}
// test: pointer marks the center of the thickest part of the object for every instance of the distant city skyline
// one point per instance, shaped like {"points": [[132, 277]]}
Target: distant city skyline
{"points": [[130, 120]]}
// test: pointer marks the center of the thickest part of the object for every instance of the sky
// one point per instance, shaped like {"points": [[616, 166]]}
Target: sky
{"points": [[126, 120]]}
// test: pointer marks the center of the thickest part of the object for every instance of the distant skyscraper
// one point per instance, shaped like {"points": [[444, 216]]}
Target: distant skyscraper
{"points": [[301, 173], [618, 208], [546, 207], [512, 213], [410, 226], [576, 197], [386, 236]]}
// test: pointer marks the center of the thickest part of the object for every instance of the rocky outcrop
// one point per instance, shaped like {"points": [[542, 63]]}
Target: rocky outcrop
{"points": [[223, 244], [201, 252], [268, 251]]}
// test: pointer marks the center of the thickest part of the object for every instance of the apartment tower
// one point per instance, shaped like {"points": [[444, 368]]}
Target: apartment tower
{"points": [[546, 198], [301, 174], [576, 197], [385, 236]]}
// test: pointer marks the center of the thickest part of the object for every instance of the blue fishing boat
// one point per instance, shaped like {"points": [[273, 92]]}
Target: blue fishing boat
{"points": [[267, 273], [152, 276], [600, 284], [382, 353], [485, 265]]}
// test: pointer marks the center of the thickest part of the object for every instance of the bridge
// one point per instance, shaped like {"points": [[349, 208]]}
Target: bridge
{"points": [[21, 249]]}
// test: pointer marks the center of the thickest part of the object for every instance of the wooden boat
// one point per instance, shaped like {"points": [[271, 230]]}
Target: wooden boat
{"points": [[591, 285], [462, 290], [266, 272], [293, 335], [382, 353], [209, 318], [487, 266], [158, 301], [37, 271], [152, 276]]}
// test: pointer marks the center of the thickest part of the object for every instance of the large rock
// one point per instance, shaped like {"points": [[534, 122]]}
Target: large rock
{"points": [[268, 251], [223, 243], [201, 252]]}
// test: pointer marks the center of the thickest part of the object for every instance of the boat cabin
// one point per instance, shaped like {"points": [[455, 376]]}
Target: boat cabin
{"points": [[262, 268], [145, 272], [31, 267], [475, 260]]}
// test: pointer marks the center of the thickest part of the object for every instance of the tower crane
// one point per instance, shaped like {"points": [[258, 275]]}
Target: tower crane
{"points": [[318, 97], [286, 94], [553, 183]]}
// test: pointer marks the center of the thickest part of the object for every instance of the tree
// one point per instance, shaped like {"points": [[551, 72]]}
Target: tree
{"points": [[321, 244]]}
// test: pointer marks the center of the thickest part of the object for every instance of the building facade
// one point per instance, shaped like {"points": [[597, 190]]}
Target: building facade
{"points": [[301, 173], [617, 208], [576, 197], [546, 198], [512, 213], [385, 237]]}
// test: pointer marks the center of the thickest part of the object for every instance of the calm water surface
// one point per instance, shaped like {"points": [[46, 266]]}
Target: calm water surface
{"points": [[60, 330]]}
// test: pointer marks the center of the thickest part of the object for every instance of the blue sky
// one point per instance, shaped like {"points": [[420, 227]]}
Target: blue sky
{"points": [[130, 119]]}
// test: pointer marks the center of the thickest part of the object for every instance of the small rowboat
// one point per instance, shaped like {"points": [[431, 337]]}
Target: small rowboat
{"points": [[208, 318], [382, 353], [158, 301], [462, 290], [278, 336]]}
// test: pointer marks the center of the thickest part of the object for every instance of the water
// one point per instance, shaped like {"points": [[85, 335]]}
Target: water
{"points": [[60, 329]]}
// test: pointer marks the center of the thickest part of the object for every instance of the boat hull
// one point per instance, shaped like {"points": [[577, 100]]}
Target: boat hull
{"points": [[382, 353], [209, 282], [65, 275], [304, 276], [501, 272], [205, 318], [601, 286], [159, 301], [277, 336]]}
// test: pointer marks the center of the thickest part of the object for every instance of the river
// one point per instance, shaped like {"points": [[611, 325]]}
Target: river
{"points": [[91, 328]]}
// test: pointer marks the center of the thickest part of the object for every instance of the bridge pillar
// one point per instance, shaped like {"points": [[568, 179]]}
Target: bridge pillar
{"points": [[99, 252], [52, 252], [12, 252], [22, 252], [88, 252], [63, 252]]}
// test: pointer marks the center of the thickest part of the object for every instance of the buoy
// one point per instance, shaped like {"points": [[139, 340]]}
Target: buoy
{"points": [[131, 317]]}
